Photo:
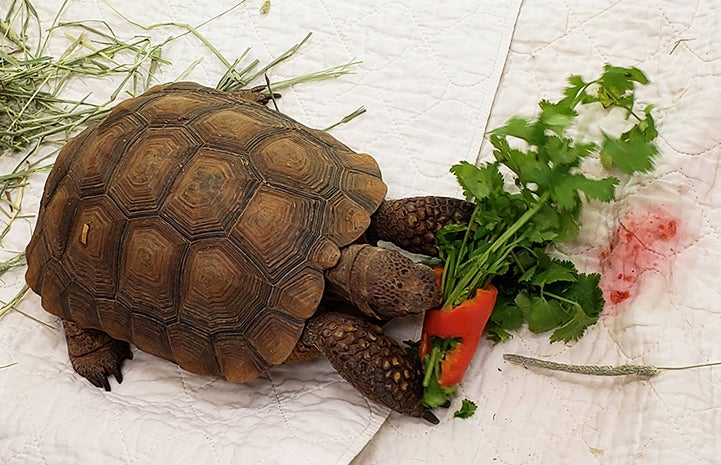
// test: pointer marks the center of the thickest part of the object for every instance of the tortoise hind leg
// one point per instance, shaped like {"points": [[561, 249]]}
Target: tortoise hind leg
{"points": [[412, 223], [95, 355], [371, 361]]}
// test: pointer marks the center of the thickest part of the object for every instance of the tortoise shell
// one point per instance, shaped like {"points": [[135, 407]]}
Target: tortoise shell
{"points": [[196, 224]]}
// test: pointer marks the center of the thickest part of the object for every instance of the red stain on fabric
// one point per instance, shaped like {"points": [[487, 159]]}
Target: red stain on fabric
{"points": [[643, 241]]}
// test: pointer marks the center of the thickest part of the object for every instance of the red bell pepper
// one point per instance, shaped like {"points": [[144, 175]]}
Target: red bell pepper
{"points": [[464, 323]]}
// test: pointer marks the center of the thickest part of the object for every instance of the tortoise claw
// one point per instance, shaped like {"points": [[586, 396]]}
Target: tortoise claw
{"points": [[118, 376], [98, 365], [430, 417], [100, 380]]}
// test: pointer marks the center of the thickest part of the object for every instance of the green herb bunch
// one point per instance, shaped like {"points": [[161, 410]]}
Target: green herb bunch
{"points": [[513, 224]]}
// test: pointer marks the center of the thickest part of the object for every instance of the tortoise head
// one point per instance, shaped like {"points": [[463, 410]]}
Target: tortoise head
{"points": [[383, 283], [397, 286]]}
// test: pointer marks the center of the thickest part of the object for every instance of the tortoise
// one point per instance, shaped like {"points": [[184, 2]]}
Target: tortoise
{"points": [[209, 230]]}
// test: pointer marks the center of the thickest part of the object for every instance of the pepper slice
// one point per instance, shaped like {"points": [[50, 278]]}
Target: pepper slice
{"points": [[465, 323]]}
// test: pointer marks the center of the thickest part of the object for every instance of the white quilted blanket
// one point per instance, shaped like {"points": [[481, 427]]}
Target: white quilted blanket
{"points": [[429, 76]]}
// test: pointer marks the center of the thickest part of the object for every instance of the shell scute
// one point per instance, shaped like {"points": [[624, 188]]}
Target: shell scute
{"points": [[209, 194]]}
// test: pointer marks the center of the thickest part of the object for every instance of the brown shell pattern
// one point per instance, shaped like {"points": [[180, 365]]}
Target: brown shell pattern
{"points": [[197, 226]]}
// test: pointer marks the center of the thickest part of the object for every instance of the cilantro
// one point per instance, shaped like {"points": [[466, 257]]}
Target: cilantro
{"points": [[505, 317], [468, 408], [433, 394], [512, 226]]}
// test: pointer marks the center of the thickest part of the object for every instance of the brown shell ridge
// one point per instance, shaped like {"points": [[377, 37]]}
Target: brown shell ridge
{"points": [[53, 300], [369, 183], [64, 226], [63, 163], [127, 109], [128, 139], [132, 302], [154, 339]]}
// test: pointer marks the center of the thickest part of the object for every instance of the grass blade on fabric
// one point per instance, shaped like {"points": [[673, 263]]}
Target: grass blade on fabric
{"points": [[347, 118], [17, 260], [5, 308], [329, 73], [284, 56]]}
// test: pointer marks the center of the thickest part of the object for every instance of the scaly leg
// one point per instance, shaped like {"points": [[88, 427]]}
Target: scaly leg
{"points": [[412, 223], [371, 361], [95, 355]]}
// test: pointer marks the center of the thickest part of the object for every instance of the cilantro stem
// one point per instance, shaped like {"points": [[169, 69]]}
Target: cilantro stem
{"points": [[479, 272], [466, 236], [618, 103], [562, 299], [432, 365]]}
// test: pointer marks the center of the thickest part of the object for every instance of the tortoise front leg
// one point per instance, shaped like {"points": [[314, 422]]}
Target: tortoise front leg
{"points": [[95, 355], [371, 361], [412, 223]]}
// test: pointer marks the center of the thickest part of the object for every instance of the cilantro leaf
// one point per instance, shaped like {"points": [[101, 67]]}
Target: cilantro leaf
{"points": [[506, 316], [555, 271], [496, 332], [564, 151], [478, 183], [542, 314], [573, 329], [468, 408], [616, 86], [619, 77], [586, 292], [576, 93], [583, 302], [628, 155], [565, 192], [518, 127], [556, 117]]}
